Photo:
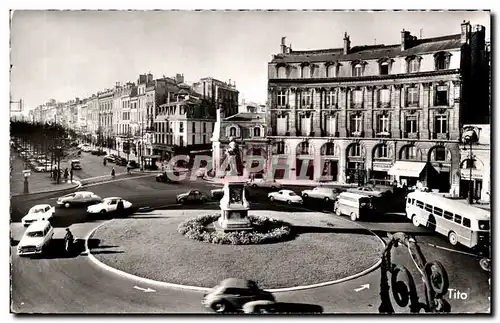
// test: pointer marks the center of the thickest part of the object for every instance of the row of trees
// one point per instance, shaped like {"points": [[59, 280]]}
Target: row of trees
{"points": [[49, 139]]}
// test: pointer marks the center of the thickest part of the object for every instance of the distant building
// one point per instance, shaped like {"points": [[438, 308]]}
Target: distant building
{"points": [[354, 114]]}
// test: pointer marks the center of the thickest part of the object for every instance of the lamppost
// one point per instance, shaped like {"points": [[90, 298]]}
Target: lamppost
{"points": [[26, 173], [468, 139]]}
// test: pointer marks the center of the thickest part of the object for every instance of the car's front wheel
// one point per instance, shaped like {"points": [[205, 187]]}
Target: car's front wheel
{"points": [[271, 198], [67, 205], [219, 307], [289, 202], [182, 201]]}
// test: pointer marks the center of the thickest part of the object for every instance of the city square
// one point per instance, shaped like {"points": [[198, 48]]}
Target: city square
{"points": [[359, 183]]}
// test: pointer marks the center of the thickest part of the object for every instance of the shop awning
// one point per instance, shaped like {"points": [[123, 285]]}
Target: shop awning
{"points": [[407, 168]]}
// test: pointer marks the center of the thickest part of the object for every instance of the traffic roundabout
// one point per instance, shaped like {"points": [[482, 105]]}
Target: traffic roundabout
{"points": [[324, 250]]}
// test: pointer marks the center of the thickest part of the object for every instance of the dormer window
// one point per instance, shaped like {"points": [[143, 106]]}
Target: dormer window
{"points": [[331, 71], [232, 132], [414, 65], [357, 70], [306, 71], [256, 132], [282, 72], [384, 68]]}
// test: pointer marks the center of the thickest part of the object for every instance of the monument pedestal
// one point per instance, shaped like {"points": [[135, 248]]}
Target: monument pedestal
{"points": [[234, 208]]}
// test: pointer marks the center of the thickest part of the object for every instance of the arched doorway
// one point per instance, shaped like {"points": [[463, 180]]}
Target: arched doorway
{"points": [[471, 177], [355, 168], [329, 162], [381, 164], [440, 158], [304, 164], [278, 165]]}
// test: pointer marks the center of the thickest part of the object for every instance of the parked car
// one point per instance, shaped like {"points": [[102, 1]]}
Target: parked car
{"points": [[287, 196], [38, 167], [120, 161], [193, 196], [132, 164], [75, 164], [110, 158], [324, 193], [232, 293], [217, 193], [263, 182], [370, 191], [36, 238], [108, 204], [356, 206], [86, 148], [98, 152], [38, 212], [79, 198]]}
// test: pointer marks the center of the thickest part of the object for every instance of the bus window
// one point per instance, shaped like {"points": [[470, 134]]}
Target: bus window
{"points": [[448, 215], [428, 207], [458, 218], [420, 204], [466, 223], [438, 211]]}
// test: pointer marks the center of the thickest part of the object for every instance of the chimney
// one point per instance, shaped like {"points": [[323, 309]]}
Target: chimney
{"points": [[283, 45], [229, 82], [117, 84], [149, 78], [347, 44], [465, 32], [406, 39], [179, 78]]}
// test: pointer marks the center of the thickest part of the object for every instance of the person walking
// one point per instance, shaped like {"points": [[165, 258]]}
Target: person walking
{"points": [[71, 175], [104, 161], [66, 174], [113, 172]]}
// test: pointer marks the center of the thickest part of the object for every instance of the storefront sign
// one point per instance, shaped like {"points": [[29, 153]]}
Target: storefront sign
{"points": [[382, 166]]}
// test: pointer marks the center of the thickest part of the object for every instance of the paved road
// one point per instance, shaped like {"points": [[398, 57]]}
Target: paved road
{"points": [[77, 286]]}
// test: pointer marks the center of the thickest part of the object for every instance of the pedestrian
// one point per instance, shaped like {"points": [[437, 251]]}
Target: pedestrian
{"points": [[120, 208], [113, 172], [71, 174], [104, 161], [66, 174]]}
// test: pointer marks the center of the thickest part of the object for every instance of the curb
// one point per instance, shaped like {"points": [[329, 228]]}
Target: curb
{"points": [[77, 186], [205, 289]]}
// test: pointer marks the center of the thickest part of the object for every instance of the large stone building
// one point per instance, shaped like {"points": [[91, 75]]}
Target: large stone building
{"points": [[386, 112]]}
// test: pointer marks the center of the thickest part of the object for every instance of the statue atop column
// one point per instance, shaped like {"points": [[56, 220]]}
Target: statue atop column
{"points": [[233, 154]]}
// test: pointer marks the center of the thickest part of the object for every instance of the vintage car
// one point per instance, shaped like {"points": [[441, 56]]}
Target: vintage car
{"points": [[108, 204], [231, 294], [193, 196], [36, 238], [38, 212], [286, 196], [263, 182], [79, 199], [324, 193]]}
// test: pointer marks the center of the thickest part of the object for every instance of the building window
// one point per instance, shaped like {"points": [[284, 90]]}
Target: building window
{"points": [[193, 140], [355, 150], [384, 68], [411, 124], [194, 126], [357, 70], [181, 141], [256, 132], [204, 127], [331, 71], [357, 97], [356, 125], [384, 96], [441, 97], [381, 151], [280, 147], [304, 148], [469, 163], [331, 125], [282, 123], [282, 72], [306, 98], [306, 72], [232, 132], [409, 152], [204, 139], [181, 126], [441, 124], [440, 154], [383, 123], [330, 99], [440, 62], [413, 65], [305, 125], [281, 98], [412, 96]]}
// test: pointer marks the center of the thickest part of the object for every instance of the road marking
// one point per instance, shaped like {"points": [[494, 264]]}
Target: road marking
{"points": [[117, 180], [365, 286], [145, 290]]}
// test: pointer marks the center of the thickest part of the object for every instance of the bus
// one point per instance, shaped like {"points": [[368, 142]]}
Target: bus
{"points": [[357, 206], [460, 223]]}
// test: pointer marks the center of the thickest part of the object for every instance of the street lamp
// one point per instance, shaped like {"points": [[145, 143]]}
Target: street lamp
{"points": [[26, 173], [468, 139]]}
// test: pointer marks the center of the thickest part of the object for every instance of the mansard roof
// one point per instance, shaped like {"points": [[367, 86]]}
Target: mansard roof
{"points": [[367, 52]]}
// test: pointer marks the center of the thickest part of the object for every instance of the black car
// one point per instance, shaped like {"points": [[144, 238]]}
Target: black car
{"points": [[120, 161], [133, 164], [98, 152], [110, 158], [163, 177]]}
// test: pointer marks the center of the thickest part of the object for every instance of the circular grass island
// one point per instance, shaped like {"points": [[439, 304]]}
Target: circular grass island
{"points": [[264, 230], [320, 248]]}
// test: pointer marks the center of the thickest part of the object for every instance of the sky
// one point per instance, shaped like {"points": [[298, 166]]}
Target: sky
{"points": [[68, 54]]}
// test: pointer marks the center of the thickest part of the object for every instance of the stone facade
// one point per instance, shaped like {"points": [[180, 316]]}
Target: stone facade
{"points": [[356, 111]]}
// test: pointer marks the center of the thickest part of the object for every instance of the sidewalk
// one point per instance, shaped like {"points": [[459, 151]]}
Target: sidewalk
{"points": [[482, 205], [37, 182]]}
